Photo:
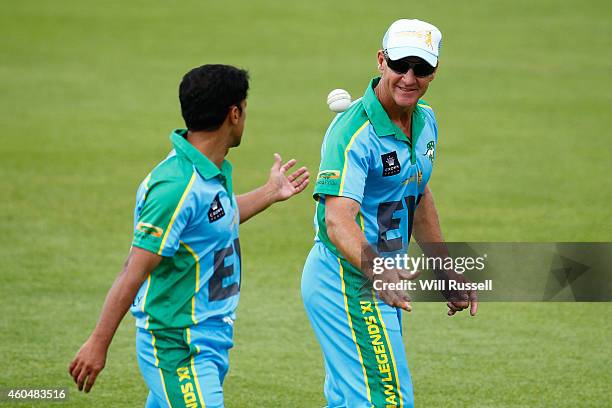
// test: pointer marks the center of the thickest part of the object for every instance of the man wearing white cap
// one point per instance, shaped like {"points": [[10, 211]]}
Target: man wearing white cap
{"points": [[376, 160]]}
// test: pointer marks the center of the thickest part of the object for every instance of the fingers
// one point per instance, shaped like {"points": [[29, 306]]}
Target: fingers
{"points": [[405, 302], [473, 302], [408, 275], [452, 307], [407, 306], [296, 174], [86, 378], [455, 307], [299, 179], [287, 165], [400, 300], [75, 369], [277, 162], [91, 380], [81, 378], [72, 366], [302, 185]]}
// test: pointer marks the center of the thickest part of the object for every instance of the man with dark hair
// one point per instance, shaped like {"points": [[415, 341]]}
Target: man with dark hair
{"points": [[205, 92], [182, 275]]}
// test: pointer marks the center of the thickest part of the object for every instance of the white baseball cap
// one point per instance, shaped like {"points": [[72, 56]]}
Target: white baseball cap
{"points": [[407, 38]]}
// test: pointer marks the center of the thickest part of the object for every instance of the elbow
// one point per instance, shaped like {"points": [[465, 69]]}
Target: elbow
{"points": [[333, 223]]}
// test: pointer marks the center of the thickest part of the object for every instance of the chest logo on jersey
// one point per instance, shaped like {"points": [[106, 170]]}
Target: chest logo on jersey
{"points": [[391, 165], [431, 153], [215, 211]]}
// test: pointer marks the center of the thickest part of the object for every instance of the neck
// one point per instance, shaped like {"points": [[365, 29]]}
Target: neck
{"points": [[401, 116], [213, 144]]}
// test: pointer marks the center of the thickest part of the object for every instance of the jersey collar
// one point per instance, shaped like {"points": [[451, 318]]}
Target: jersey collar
{"points": [[380, 120], [205, 167]]}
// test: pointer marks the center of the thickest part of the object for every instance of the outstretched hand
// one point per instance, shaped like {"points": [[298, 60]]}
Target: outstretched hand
{"points": [[283, 186]]}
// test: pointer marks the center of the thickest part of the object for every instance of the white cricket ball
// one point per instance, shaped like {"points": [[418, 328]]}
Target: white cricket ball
{"points": [[338, 100]]}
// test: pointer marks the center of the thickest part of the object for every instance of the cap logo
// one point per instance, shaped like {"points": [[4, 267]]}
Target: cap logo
{"points": [[424, 35]]}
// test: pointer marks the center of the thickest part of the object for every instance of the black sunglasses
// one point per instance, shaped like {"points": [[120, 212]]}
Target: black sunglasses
{"points": [[420, 68]]}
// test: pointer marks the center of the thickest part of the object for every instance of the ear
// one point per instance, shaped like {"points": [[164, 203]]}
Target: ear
{"points": [[234, 114], [433, 76], [381, 60]]}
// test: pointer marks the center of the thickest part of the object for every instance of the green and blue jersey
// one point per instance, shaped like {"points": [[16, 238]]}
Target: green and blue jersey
{"points": [[187, 213], [367, 158]]}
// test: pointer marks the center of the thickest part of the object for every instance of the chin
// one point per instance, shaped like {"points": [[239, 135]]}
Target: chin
{"points": [[405, 102]]}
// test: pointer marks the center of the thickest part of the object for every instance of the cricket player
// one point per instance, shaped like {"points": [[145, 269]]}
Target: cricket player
{"points": [[182, 275], [372, 196]]}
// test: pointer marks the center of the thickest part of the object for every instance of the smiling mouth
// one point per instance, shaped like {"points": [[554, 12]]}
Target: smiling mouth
{"points": [[407, 90]]}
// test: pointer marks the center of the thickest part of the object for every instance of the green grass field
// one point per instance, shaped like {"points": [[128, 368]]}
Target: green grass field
{"points": [[89, 96]]}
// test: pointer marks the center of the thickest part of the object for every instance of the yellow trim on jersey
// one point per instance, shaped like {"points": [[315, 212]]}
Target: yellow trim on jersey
{"points": [[144, 301], [197, 280], [154, 349], [193, 369], [384, 327], [425, 106], [348, 314], [176, 211], [146, 291], [164, 387], [346, 150], [146, 185], [160, 370], [197, 381]]}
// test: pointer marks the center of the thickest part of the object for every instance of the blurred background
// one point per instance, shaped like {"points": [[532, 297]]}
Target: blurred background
{"points": [[90, 95]]}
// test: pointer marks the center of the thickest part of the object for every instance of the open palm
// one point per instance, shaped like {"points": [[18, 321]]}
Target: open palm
{"points": [[284, 186]]}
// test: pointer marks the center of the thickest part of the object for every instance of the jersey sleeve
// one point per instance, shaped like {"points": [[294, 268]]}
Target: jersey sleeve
{"points": [[162, 214], [344, 164]]}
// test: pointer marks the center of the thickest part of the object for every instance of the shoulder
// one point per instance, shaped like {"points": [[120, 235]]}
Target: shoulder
{"points": [[427, 110], [171, 178], [348, 125]]}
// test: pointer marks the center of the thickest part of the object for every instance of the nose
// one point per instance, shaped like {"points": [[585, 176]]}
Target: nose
{"points": [[409, 77]]}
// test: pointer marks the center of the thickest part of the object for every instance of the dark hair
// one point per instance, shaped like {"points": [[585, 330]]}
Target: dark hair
{"points": [[207, 92]]}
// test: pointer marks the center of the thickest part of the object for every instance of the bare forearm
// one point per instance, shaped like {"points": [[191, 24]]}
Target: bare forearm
{"points": [[426, 227], [254, 202], [118, 301], [346, 234], [121, 294], [91, 357], [350, 242]]}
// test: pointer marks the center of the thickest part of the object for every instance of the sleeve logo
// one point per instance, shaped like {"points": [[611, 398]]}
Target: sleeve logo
{"points": [[328, 177], [149, 229], [215, 212], [391, 165]]}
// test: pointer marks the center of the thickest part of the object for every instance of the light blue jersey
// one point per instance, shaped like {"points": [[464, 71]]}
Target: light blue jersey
{"points": [[186, 212], [367, 158]]}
